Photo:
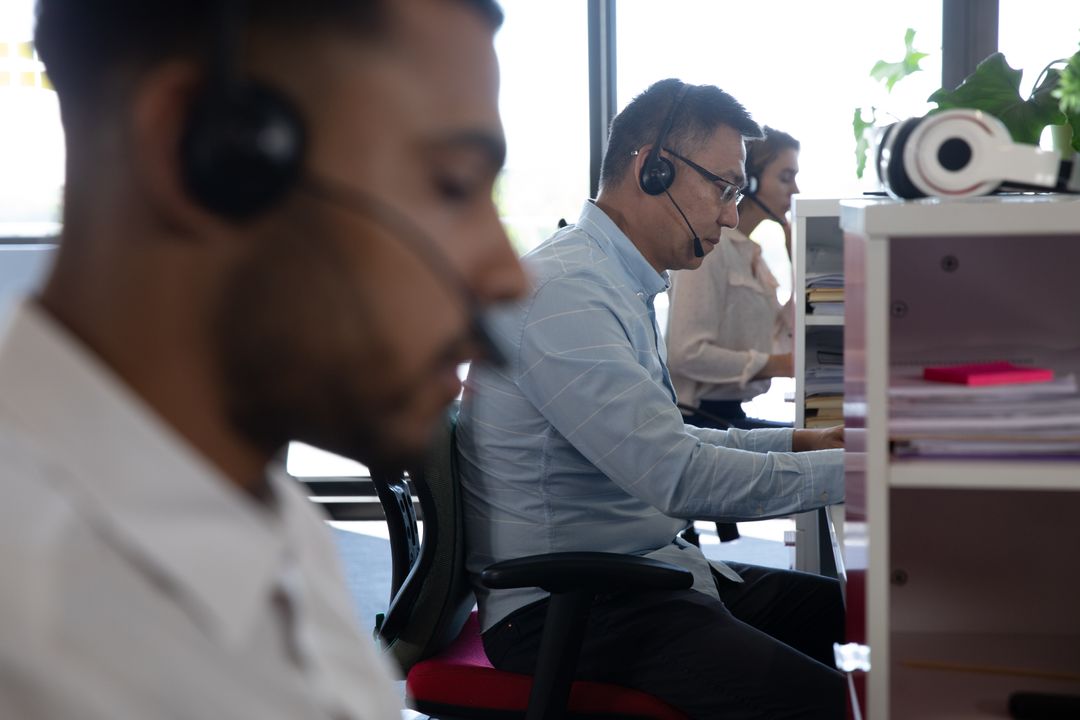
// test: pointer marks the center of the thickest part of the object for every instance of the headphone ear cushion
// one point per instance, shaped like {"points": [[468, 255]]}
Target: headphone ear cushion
{"points": [[882, 140], [241, 152], [962, 153], [894, 175], [657, 175]]}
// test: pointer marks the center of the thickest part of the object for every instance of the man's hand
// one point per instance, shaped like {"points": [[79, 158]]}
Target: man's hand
{"points": [[824, 439]]}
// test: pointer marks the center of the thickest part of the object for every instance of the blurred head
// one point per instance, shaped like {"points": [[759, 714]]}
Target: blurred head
{"points": [[335, 319], [774, 161], [706, 146]]}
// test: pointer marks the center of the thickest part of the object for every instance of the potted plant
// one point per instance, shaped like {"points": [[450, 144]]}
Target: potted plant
{"points": [[888, 73], [994, 87]]}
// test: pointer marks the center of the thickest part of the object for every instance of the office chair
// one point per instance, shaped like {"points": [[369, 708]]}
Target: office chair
{"points": [[432, 632]]}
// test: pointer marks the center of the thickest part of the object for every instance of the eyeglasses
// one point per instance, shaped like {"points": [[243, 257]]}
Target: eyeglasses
{"points": [[730, 192]]}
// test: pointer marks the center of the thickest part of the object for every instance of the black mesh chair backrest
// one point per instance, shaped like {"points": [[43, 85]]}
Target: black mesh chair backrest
{"points": [[435, 598], [394, 495]]}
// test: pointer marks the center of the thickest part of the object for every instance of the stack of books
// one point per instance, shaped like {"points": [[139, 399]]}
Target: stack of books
{"points": [[984, 412], [824, 411], [825, 293], [824, 387]]}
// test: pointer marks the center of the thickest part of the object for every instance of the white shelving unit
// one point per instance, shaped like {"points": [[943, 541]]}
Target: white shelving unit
{"points": [[972, 565], [816, 246]]}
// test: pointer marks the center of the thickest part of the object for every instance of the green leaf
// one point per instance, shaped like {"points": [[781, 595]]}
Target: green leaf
{"points": [[994, 87], [1068, 89], [890, 73], [1073, 118], [863, 130]]}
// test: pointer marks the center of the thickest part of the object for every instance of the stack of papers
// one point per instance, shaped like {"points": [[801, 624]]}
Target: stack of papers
{"points": [[824, 371], [825, 293], [1009, 420]]}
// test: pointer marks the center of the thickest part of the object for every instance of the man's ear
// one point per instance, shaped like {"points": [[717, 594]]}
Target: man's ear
{"points": [[639, 160], [160, 107]]}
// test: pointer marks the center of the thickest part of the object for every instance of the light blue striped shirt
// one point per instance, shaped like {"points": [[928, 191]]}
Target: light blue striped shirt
{"points": [[577, 444]]}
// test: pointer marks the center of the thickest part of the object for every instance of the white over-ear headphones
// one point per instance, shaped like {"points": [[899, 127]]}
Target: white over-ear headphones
{"points": [[961, 153]]}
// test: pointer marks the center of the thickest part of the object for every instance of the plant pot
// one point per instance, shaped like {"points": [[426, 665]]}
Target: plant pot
{"points": [[1061, 139]]}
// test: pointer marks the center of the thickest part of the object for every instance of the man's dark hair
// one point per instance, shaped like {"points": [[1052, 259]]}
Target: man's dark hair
{"points": [[84, 42], [762, 152], [703, 109]]}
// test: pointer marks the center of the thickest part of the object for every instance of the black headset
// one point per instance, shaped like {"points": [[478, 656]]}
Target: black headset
{"points": [[243, 143], [243, 149], [658, 173], [962, 153], [751, 194]]}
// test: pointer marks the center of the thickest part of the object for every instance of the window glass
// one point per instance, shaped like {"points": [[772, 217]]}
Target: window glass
{"points": [[799, 67], [31, 137], [307, 461], [1033, 33], [543, 50]]}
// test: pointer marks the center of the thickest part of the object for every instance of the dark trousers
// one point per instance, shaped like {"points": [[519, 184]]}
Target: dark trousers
{"points": [[765, 651]]}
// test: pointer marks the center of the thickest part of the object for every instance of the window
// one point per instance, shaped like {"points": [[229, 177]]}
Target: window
{"points": [[31, 137], [805, 74], [543, 54], [307, 461], [1033, 34]]}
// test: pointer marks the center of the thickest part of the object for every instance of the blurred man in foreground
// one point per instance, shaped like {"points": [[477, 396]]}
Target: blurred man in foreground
{"points": [[278, 225]]}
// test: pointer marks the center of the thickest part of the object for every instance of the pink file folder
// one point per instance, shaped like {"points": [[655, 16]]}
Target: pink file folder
{"points": [[991, 373]]}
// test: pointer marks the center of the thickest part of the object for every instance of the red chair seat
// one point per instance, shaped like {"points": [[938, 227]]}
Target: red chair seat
{"points": [[462, 677]]}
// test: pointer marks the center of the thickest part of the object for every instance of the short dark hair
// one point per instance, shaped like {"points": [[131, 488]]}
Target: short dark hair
{"points": [[762, 152], [703, 109], [83, 41]]}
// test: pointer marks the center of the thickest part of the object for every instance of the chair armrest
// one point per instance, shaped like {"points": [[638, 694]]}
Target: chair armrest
{"points": [[595, 572]]}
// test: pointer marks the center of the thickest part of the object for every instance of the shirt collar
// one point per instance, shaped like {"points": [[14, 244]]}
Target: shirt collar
{"points": [[137, 480], [603, 229]]}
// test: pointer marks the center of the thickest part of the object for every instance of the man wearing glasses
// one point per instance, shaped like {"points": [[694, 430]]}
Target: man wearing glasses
{"points": [[577, 444]]}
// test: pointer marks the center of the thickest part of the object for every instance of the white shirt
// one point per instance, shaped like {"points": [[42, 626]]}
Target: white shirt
{"points": [[724, 322], [138, 583]]}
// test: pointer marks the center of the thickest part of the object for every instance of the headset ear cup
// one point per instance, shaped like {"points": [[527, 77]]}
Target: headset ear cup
{"points": [[894, 176], [882, 140], [962, 153], [242, 151], [657, 175]]}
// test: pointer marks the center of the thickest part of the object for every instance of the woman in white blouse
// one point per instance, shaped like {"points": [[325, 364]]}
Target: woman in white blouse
{"points": [[728, 335]]}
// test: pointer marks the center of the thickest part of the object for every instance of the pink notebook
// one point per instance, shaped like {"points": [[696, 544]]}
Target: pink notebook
{"points": [[991, 373]]}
